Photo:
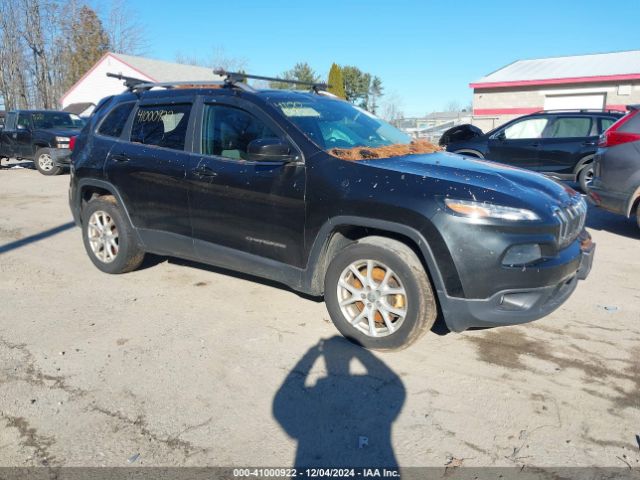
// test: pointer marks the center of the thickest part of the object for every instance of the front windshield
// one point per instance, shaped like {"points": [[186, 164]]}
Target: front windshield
{"points": [[56, 120], [331, 123]]}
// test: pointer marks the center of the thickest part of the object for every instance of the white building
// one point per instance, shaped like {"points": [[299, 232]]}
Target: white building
{"points": [[95, 85]]}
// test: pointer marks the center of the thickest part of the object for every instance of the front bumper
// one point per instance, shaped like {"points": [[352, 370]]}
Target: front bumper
{"points": [[61, 157], [516, 306]]}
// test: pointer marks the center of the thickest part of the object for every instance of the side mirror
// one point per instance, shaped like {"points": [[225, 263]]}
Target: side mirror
{"points": [[269, 150], [21, 128], [501, 136]]}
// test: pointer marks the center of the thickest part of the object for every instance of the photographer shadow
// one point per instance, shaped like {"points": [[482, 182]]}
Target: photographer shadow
{"points": [[341, 419]]}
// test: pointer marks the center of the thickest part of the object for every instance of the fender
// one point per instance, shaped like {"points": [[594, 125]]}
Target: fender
{"points": [[92, 182], [320, 244]]}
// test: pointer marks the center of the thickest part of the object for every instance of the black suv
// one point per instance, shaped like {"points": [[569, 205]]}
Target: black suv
{"points": [[559, 143], [249, 180], [40, 135]]}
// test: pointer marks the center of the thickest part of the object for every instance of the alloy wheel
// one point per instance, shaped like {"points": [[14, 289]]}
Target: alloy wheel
{"points": [[103, 236], [372, 298], [46, 162]]}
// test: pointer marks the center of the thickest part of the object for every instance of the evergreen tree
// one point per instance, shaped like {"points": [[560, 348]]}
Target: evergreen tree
{"points": [[336, 81], [88, 43], [301, 72]]}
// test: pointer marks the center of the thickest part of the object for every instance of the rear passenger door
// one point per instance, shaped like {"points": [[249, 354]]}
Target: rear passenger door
{"points": [[149, 167], [566, 140]]}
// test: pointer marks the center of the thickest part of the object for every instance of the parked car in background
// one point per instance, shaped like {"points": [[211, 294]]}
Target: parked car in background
{"points": [[616, 182], [300, 188], [40, 135], [557, 143]]}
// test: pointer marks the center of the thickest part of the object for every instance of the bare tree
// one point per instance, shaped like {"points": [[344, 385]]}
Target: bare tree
{"points": [[220, 59], [13, 71], [452, 106], [391, 109], [126, 34]]}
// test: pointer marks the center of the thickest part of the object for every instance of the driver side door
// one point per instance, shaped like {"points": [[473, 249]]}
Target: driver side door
{"points": [[254, 207], [518, 143]]}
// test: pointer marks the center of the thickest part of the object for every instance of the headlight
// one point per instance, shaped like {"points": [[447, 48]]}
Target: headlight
{"points": [[472, 209]]}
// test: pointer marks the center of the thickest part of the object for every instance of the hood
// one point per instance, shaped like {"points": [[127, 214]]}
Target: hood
{"points": [[473, 179], [61, 132]]}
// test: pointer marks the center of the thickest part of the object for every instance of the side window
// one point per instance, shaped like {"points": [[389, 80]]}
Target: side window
{"points": [[11, 121], [606, 123], [529, 128], [24, 121], [570, 127], [227, 131], [114, 122], [161, 125]]}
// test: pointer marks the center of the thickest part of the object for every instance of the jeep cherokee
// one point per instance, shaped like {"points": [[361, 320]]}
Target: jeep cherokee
{"points": [[252, 180]]}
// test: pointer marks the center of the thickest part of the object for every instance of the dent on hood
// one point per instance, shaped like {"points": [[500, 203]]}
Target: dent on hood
{"points": [[397, 150]]}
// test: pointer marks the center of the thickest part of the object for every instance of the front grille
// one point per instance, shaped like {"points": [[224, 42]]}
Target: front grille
{"points": [[571, 218]]}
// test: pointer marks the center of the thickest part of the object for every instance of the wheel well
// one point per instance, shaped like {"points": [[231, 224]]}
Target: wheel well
{"points": [[90, 192], [345, 235], [583, 162]]}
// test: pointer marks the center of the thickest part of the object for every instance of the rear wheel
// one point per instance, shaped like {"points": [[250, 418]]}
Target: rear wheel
{"points": [[109, 238], [378, 294], [585, 177], [44, 162]]}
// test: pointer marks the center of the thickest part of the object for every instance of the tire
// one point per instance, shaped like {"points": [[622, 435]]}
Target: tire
{"points": [[585, 176], [44, 162], [638, 215], [111, 255], [407, 273]]}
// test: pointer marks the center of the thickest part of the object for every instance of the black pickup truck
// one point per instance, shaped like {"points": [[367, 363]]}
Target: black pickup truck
{"points": [[40, 135]]}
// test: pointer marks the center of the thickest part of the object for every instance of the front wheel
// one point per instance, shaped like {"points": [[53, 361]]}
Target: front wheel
{"points": [[378, 294], [585, 177], [45, 164]]}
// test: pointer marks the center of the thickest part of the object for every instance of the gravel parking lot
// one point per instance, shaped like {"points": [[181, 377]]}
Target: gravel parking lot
{"points": [[184, 364]]}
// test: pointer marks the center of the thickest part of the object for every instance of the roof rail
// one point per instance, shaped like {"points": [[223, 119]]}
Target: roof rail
{"points": [[236, 78], [137, 85]]}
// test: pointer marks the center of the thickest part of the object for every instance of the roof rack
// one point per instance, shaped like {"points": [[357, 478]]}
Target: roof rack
{"points": [[137, 85], [580, 110], [236, 78], [230, 79]]}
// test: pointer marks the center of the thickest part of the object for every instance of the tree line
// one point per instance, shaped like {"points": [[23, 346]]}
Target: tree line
{"points": [[348, 82], [47, 45]]}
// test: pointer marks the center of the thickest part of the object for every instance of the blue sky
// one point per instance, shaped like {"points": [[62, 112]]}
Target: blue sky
{"points": [[425, 52]]}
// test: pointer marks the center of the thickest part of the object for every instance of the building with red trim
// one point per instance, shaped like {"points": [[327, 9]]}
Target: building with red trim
{"points": [[596, 81], [95, 85]]}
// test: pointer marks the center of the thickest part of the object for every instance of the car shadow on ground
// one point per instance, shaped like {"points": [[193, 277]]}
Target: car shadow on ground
{"points": [[599, 219], [342, 418], [151, 260]]}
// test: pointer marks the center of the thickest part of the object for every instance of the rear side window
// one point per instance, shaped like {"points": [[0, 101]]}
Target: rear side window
{"points": [[11, 121], [606, 123], [161, 125], [114, 122], [570, 127]]}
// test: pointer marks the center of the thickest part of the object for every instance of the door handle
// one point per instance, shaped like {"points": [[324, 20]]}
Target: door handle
{"points": [[205, 171], [589, 144], [120, 158], [535, 144]]}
